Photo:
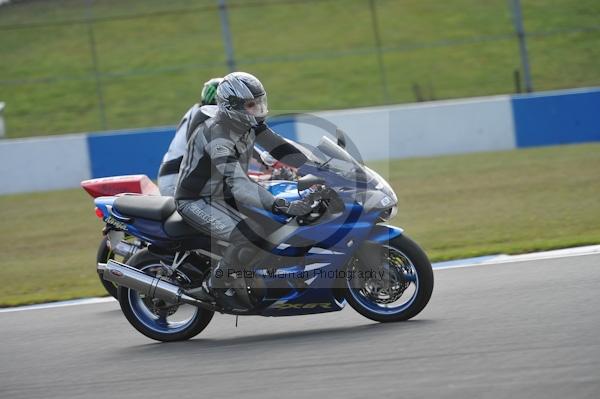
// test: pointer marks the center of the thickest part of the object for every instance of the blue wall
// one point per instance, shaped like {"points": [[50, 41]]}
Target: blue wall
{"points": [[141, 151], [135, 152], [285, 127], [557, 118]]}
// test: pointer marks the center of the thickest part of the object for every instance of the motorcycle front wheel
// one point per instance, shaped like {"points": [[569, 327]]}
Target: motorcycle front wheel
{"points": [[396, 290], [156, 318]]}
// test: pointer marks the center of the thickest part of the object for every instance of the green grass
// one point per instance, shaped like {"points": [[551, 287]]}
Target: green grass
{"points": [[504, 202], [310, 55], [454, 206]]}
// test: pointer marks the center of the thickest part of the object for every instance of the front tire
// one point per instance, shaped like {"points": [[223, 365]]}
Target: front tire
{"points": [[409, 263], [152, 319]]}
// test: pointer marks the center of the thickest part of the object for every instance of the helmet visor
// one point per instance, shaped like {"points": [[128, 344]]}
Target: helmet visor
{"points": [[257, 107]]}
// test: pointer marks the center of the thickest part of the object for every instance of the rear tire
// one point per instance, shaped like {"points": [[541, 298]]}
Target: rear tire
{"points": [[424, 284], [130, 306]]}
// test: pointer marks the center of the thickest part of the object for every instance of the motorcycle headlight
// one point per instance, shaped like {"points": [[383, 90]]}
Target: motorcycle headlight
{"points": [[388, 214]]}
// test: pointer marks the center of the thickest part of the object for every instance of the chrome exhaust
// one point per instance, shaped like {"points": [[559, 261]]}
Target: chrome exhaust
{"points": [[125, 249], [151, 287], [118, 245]]}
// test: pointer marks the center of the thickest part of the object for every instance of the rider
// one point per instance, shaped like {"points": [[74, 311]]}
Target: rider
{"points": [[213, 182], [198, 113]]}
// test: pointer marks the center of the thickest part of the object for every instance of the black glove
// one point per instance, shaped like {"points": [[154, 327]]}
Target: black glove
{"points": [[299, 207], [260, 127], [283, 174]]}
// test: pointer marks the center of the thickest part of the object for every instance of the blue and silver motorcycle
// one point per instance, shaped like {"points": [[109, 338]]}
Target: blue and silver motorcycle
{"points": [[342, 252]]}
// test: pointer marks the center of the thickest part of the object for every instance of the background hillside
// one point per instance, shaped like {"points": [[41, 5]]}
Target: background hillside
{"points": [[146, 60]]}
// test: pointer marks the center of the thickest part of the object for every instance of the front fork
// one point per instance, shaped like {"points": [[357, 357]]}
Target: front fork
{"points": [[371, 252]]}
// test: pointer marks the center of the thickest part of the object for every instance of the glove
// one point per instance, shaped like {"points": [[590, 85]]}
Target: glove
{"points": [[260, 127], [299, 207], [283, 174]]}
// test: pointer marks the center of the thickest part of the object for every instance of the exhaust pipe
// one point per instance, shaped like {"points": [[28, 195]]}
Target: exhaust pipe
{"points": [[125, 249], [152, 287], [117, 244]]}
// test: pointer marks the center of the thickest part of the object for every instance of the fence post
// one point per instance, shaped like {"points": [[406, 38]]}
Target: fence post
{"points": [[377, 37], [92, 39], [518, 21], [517, 79], [226, 35], [2, 125]]}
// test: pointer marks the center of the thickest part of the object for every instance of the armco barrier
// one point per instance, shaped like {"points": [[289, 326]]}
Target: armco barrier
{"points": [[425, 129]]}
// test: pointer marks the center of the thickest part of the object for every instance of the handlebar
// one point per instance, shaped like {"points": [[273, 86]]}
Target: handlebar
{"points": [[320, 194], [322, 198]]}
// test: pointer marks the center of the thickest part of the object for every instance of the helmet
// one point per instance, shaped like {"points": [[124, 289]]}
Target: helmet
{"points": [[209, 91], [242, 98]]}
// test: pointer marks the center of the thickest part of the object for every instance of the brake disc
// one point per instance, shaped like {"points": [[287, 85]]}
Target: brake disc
{"points": [[389, 287]]}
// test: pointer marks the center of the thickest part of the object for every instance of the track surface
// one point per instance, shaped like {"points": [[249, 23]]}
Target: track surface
{"points": [[527, 329]]}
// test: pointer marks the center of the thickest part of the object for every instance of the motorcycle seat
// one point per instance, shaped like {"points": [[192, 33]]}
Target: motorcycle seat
{"points": [[151, 207], [176, 227]]}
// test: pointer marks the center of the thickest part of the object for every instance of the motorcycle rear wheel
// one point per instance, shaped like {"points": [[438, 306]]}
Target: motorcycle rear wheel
{"points": [[154, 323], [409, 268]]}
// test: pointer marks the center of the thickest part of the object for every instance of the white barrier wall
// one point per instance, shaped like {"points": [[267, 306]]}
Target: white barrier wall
{"points": [[441, 127], [40, 164]]}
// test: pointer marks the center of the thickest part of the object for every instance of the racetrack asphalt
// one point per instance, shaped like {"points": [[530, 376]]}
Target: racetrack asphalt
{"points": [[514, 330]]}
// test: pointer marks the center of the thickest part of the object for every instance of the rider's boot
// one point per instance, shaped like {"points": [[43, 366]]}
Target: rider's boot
{"points": [[227, 286], [204, 292], [235, 292]]}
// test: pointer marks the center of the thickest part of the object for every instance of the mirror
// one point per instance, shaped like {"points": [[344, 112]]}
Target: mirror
{"points": [[341, 138]]}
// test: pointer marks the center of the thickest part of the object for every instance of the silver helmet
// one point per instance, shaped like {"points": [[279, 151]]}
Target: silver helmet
{"points": [[242, 98]]}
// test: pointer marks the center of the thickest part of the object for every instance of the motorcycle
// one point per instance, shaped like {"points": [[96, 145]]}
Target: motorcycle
{"points": [[341, 253]]}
